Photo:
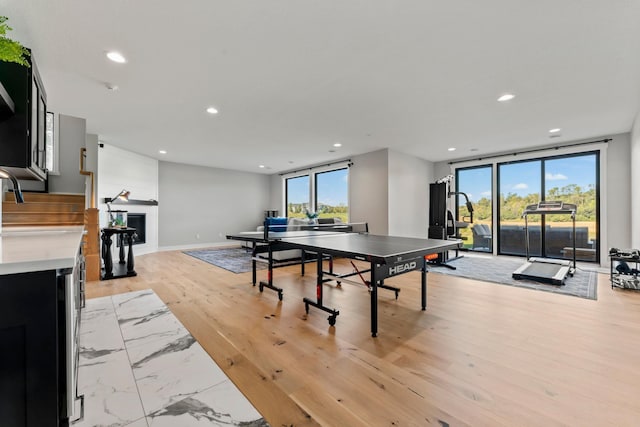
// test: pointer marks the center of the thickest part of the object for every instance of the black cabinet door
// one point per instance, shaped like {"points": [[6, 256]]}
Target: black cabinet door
{"points": [[29, 380], [22, 134]]}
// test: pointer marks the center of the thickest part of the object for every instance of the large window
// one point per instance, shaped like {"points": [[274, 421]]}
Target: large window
{"points": [[476, 183], [297, 196], [572, 179], [330, 189], [50, 144], [331, 199]]}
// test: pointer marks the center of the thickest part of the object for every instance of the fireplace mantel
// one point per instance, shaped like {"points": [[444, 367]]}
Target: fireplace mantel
{"points": [[150, 202]]}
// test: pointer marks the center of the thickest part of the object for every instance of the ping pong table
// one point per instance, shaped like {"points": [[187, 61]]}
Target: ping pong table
{"points": [[388, 256]]}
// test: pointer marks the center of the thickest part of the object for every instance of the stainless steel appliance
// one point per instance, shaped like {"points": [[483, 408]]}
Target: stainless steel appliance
{"points": [[74, 289]]}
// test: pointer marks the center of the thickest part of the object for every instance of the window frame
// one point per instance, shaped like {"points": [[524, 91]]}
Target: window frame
{"points": [[312, 173], [543, 192], [315, 187], [491, 167], [55, 149], [286, 191], [597, 147]]}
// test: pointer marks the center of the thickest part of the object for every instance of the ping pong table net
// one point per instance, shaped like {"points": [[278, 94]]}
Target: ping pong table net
{"points": [[342, 227]]}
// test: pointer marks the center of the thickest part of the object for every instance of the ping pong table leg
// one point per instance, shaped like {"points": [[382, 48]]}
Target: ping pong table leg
{"points": [[319, 281], [269, 282], [374, 301], [254, 264], [319, 288], [424, 284]]}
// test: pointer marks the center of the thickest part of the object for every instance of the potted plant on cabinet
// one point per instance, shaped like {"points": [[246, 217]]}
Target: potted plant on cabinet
{"points": [[11, 50]]}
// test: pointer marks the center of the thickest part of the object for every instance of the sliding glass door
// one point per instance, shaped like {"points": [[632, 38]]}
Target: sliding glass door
{"points": [[519, 185], [572, 179], [476, 183]]}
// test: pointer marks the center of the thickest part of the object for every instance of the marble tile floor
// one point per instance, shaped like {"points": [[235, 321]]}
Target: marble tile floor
{"points": [[139, 367]]}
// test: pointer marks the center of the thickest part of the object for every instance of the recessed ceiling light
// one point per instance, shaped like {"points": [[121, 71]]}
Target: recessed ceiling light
{"points": [[473, 149], [337, 144], [116, 57], [332, 151], [111, 87], [506, 97], [261, 166], [212, 110], [554, 130], [451, 149], [162, 151]]}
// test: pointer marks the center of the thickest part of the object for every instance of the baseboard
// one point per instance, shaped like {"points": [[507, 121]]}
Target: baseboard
{"points": [[198, 246]]}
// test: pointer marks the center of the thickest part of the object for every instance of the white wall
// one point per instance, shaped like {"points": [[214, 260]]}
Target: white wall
{"points": [[440, 170], [634, 159], [276, 194], [409, 179], [120, 169], [369, 191], [199, 206], [616, 196], [71, 138], [91, 164]]}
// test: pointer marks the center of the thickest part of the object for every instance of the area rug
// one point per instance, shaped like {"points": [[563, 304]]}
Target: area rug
{"points": [[236, 260], [583, 284]]}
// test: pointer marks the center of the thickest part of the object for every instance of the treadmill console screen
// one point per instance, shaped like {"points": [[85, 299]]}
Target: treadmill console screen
{"points": [[549, 206]]}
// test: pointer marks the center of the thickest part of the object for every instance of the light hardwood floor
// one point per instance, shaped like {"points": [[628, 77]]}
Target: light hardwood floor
{"points": [[481, 354]]}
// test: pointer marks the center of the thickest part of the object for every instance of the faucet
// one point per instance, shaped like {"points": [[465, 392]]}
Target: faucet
{"points": [[17, 192]]}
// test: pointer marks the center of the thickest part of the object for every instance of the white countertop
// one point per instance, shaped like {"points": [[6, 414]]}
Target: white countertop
{"points": [[26, 249]]}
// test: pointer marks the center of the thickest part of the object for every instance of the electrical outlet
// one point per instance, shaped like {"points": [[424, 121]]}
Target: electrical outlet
{"points": [[197, 235]]}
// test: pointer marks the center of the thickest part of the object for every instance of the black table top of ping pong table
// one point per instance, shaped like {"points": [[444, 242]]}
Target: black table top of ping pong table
{"points": [[369, 247]]}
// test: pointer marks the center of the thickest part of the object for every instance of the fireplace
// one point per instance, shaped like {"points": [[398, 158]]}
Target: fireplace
{"points": [[139, 222]]}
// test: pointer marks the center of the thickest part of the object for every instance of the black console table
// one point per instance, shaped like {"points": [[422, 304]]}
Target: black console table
{"points": [[123, 268]]}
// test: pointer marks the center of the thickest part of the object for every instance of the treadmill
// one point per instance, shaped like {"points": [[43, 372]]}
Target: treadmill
{"points": [[553, 271]]}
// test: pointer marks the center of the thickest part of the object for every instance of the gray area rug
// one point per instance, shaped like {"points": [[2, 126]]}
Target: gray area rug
{"points": [[583, 284], [236, 260]]}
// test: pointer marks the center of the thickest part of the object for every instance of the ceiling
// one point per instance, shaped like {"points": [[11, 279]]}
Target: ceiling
{"points": [[290, 78]]}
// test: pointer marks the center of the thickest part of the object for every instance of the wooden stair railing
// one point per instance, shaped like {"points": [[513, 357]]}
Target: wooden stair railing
{"points": [[91, 225], [92, 244]]}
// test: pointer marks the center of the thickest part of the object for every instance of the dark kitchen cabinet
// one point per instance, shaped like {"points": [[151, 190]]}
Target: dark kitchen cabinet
{"points": [[29, 360], [23, 133], [39, 323]]}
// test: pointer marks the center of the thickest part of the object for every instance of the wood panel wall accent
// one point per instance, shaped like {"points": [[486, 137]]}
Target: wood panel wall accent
{"points": [[46, 209], [43, 209]]}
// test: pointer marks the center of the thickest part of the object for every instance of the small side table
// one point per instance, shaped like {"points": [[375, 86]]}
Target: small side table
{"points": [[122, 269]]}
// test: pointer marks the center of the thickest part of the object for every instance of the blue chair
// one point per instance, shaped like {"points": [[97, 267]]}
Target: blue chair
{"points": [[276, 224]]}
